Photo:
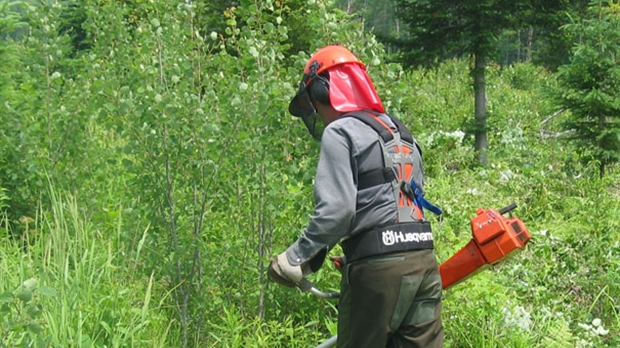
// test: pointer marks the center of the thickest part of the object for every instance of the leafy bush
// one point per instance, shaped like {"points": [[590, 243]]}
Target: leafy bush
{"points": [[21, 316]]}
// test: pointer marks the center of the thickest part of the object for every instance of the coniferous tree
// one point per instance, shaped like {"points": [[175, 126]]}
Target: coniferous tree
{"points": [[437, 30], [590, 85]]}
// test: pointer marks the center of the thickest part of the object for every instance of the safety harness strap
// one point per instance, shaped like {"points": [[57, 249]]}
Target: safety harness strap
{"points": [[371, 120], [389, 239], [374, 123], [405, 134], [379, 176], [375, 177], [410, 233]]}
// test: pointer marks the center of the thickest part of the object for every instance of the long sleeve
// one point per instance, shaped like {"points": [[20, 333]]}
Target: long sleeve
{"points": [[335, 194]]}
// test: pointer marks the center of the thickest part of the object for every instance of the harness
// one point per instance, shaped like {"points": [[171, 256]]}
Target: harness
{"points": [[401, 153]]}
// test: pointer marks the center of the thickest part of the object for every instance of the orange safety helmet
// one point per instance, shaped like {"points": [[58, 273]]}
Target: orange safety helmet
{"points": [[330, 56], [347, 86], [324, 59]]}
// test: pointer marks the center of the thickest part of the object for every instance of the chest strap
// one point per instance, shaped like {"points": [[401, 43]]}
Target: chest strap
{"points": [[375, 177]]}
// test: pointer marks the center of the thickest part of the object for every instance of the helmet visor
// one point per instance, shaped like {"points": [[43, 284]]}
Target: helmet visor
{"points": [[301, 105]]}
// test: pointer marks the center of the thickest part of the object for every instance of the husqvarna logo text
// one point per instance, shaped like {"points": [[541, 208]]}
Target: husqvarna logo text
{"points": [[395, 237]]}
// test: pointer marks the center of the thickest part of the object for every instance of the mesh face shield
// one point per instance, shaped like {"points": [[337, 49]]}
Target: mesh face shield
{"points": [[315, 125], [301, 106]]}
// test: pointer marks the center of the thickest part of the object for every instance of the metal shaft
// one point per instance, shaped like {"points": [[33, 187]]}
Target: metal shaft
{"points": [[329, 343]]}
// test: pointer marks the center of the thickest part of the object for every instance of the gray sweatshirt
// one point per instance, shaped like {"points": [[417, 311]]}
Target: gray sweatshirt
{"points": [[348, 147]]}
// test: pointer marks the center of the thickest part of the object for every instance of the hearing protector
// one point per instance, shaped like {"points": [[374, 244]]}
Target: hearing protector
{"points": [[319, 86], [319, 90]]}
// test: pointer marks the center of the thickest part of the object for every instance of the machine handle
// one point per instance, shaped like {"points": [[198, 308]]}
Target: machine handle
{"points": [[507, 209]]}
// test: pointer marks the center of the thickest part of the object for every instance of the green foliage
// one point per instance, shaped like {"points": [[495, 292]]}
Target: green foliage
{"points": [[441, 30], [589, 86], [10, 21], [201, 119], [21, 323], [71, 23], [46, 127], [533, 35]]}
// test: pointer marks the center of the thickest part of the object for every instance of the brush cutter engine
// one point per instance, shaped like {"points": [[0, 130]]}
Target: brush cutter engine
{"points": [[495, 239]]}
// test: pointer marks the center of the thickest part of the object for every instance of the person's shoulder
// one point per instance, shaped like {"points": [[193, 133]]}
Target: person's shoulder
{"points": [[351, 124], [356, 131]]}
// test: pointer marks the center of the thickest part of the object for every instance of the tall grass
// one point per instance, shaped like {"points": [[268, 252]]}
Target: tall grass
{"points": [[84, 291]]}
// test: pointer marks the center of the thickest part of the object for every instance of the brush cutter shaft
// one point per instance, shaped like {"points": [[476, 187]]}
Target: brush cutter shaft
{"points": [[306, 285], [322, 294], [329, 343]]}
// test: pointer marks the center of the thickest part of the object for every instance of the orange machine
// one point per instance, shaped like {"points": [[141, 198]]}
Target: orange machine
{"points": [[495, 238]]}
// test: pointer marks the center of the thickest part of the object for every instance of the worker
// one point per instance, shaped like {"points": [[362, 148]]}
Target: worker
{"points": [[368, 189]]}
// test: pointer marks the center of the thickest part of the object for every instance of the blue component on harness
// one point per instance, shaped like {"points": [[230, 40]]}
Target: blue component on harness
{"points": [[421, 202]]}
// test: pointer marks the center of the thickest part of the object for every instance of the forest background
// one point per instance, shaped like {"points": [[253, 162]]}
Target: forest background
{"points": [[149, 170]]}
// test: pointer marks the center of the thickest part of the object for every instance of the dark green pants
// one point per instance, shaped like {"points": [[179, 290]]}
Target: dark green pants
{"points": [[391, 301]]}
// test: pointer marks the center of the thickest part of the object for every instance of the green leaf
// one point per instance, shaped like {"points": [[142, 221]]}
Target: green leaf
{"points": [[6, 297], [33, 310], [30, 283], [34, 327], [109, 106], [106, 326], [25, 295], [47, 291]]}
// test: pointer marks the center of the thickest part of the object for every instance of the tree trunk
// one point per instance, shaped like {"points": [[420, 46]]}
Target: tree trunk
{"points": [[530, 37], [519, 44], [481, 145], [350, 4], [602, 120]]}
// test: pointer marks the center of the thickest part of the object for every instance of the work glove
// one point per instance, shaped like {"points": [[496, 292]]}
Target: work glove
{"points": [[283, 273]]}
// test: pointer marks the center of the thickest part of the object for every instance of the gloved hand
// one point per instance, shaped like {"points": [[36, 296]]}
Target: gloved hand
{"points": [[283, 273]]}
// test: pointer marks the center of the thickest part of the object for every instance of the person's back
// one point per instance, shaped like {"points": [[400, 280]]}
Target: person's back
{"points": [[391, 288]]}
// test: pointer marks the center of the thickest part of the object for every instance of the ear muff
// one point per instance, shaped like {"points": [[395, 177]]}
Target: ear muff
{"points": [[319, 89]]}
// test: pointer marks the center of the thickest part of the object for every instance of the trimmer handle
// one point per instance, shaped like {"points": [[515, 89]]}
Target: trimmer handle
{"points": [[508, 209]]}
